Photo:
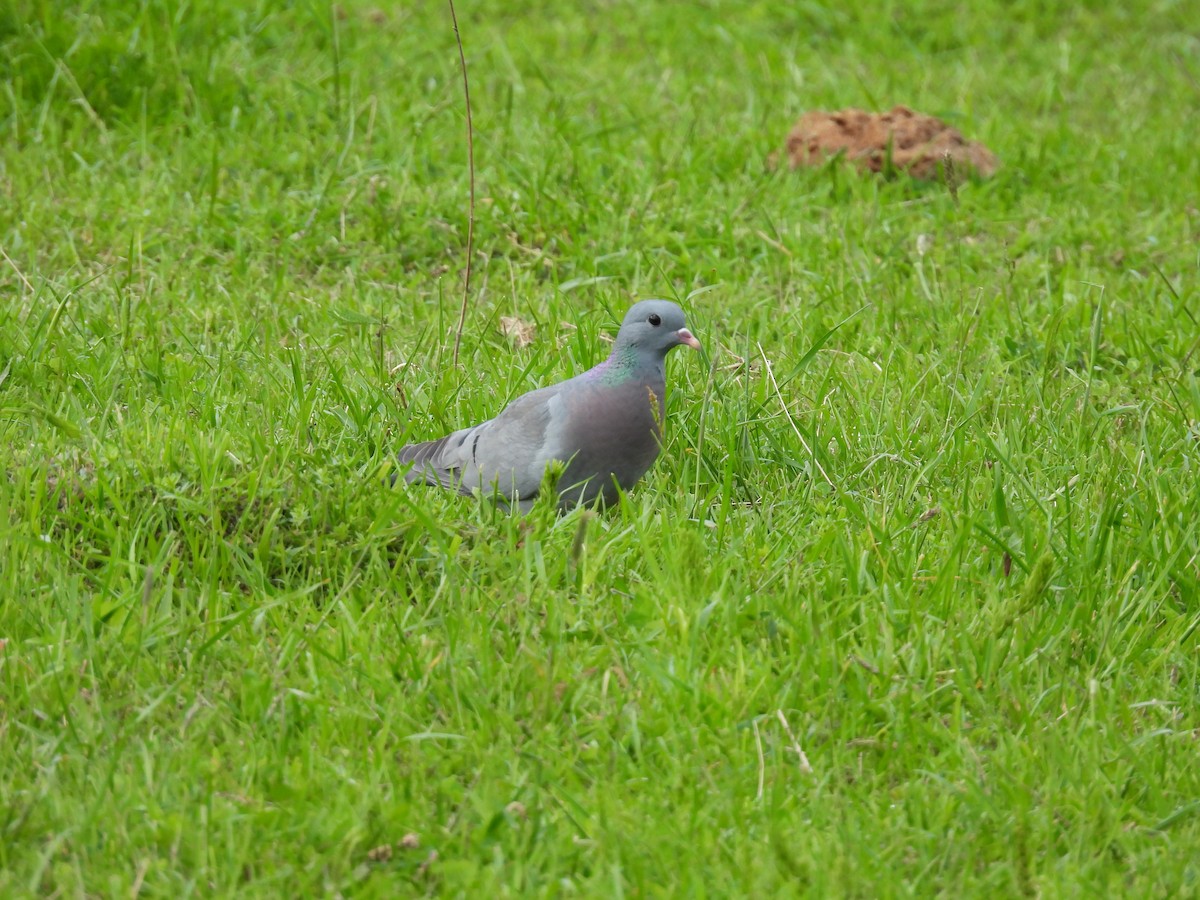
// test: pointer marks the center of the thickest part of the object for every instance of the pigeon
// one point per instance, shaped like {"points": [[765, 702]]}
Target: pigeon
{"points": [[604, 426]]}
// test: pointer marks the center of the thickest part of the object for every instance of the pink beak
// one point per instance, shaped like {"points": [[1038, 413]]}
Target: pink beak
{"points": [[686, 337]]}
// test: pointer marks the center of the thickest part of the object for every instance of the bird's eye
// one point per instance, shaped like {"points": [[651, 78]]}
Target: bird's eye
{"points": [[654, 319]]}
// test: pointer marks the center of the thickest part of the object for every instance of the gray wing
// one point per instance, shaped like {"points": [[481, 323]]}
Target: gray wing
{"points": [[507, 454]]}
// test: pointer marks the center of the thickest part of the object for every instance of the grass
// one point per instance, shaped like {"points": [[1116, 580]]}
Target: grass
{"points": [[908, 607]]}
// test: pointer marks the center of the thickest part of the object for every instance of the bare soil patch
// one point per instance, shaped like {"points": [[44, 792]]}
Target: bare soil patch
{"points": [[916, 143]]}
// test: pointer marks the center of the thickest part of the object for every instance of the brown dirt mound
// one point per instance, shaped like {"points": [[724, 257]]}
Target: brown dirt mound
{"points": [[919, 143]]}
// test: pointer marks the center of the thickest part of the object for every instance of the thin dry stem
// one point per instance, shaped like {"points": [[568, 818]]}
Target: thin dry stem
{"points": [[462, 59], [20, 274]]}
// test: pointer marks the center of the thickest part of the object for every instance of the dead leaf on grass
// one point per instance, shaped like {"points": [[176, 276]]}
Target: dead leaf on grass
{"points": [[517, 330]]}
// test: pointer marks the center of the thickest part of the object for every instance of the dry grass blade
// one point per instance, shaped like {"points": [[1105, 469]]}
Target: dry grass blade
{"points": [[762, 765], [788, 414], [801, 756]]}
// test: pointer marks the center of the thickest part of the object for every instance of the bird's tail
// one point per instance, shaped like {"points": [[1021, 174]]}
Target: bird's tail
{"points": [[428, 464]]}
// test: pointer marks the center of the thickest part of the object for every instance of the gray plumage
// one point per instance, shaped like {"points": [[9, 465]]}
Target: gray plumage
{"points": [[605, 425]]}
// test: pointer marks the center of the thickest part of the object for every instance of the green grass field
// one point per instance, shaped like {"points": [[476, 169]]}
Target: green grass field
{"points": [[908, 607]]}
